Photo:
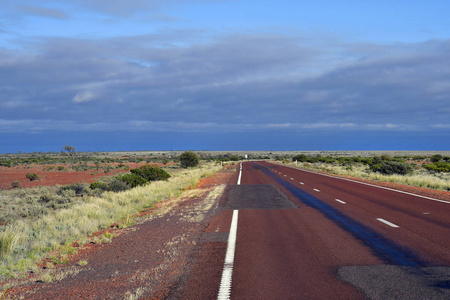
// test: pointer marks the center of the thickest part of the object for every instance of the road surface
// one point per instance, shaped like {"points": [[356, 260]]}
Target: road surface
{"points": [[286, 233]]}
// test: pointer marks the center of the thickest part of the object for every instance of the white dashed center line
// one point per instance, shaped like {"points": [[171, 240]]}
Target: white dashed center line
{"points": [[317, 190], [225, 283], [301, 183], [387, 222], [240, 175], [340, 201]]}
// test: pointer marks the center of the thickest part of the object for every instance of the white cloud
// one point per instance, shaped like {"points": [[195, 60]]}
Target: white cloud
{"points": [[44, 12], [83, 96]]}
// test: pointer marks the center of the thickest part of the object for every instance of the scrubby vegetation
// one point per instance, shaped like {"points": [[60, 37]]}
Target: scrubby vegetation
{"points": [[137, 177], [48, 218], [35, 202], [83, 160]]}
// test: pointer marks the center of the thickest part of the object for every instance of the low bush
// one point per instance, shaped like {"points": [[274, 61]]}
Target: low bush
{"points": [[301, 158], [439, 166], [32, 176], [78, 188], [188, 159], [99, 185], [151, 173], [52, 201], [234, 158], [5, 163], [436, 158], [392, 167], [117, 185], [133, 180]]}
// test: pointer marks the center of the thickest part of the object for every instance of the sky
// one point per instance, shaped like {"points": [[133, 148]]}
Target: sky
{"points": [[110, 75]]}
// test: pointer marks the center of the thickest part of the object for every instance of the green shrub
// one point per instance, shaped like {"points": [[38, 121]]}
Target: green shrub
{"points": [[234, 157], [78, 188], [5, 163], [117, 185], [301, 158], [133, 180], [419, 157], [436, 158], [151, 173], [32, 176], [99, 185], [189, 159], [108, 168], [51, 201], [438, 167], [392, 167]]}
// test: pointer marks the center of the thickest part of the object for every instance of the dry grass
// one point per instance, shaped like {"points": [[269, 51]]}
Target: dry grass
{"points": [[24, 242]]}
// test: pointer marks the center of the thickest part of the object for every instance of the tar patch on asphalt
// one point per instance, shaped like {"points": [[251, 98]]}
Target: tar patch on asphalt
{"points": [[258, 196], [397, 282], [214, 237]]}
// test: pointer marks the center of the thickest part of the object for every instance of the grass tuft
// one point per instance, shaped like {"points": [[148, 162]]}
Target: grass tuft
{"points": [[82, 262]]}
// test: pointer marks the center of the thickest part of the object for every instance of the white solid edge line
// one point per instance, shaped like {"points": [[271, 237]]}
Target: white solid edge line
{"points": [[387, 222], [225, 283], [377, 186], [240, 175], [340, 201]]}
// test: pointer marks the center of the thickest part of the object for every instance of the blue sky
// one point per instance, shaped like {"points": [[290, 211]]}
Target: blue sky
{"points": [[224, 75]]}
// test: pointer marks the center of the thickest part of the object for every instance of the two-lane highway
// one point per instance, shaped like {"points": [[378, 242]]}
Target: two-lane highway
{"points": [[302, 235]]}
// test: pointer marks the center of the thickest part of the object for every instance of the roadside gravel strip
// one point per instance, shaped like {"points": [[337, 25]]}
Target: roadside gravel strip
{"points": [[147, 260]]}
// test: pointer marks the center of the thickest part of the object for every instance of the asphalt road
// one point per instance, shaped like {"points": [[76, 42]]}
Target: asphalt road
{"points": [[301, 235]]}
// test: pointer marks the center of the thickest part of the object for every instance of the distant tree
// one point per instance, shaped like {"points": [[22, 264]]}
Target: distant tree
{"points": [[188, 159], [70, 151]]}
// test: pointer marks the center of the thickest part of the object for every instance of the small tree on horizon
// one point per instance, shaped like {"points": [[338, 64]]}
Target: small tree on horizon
{"points": [[70, 150]]}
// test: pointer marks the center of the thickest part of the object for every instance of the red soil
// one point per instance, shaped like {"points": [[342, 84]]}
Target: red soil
{"points": [[18, 173]]}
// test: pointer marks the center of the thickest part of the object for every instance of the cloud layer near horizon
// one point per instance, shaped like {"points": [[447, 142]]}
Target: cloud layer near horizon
{"points": [[232, 82]]}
